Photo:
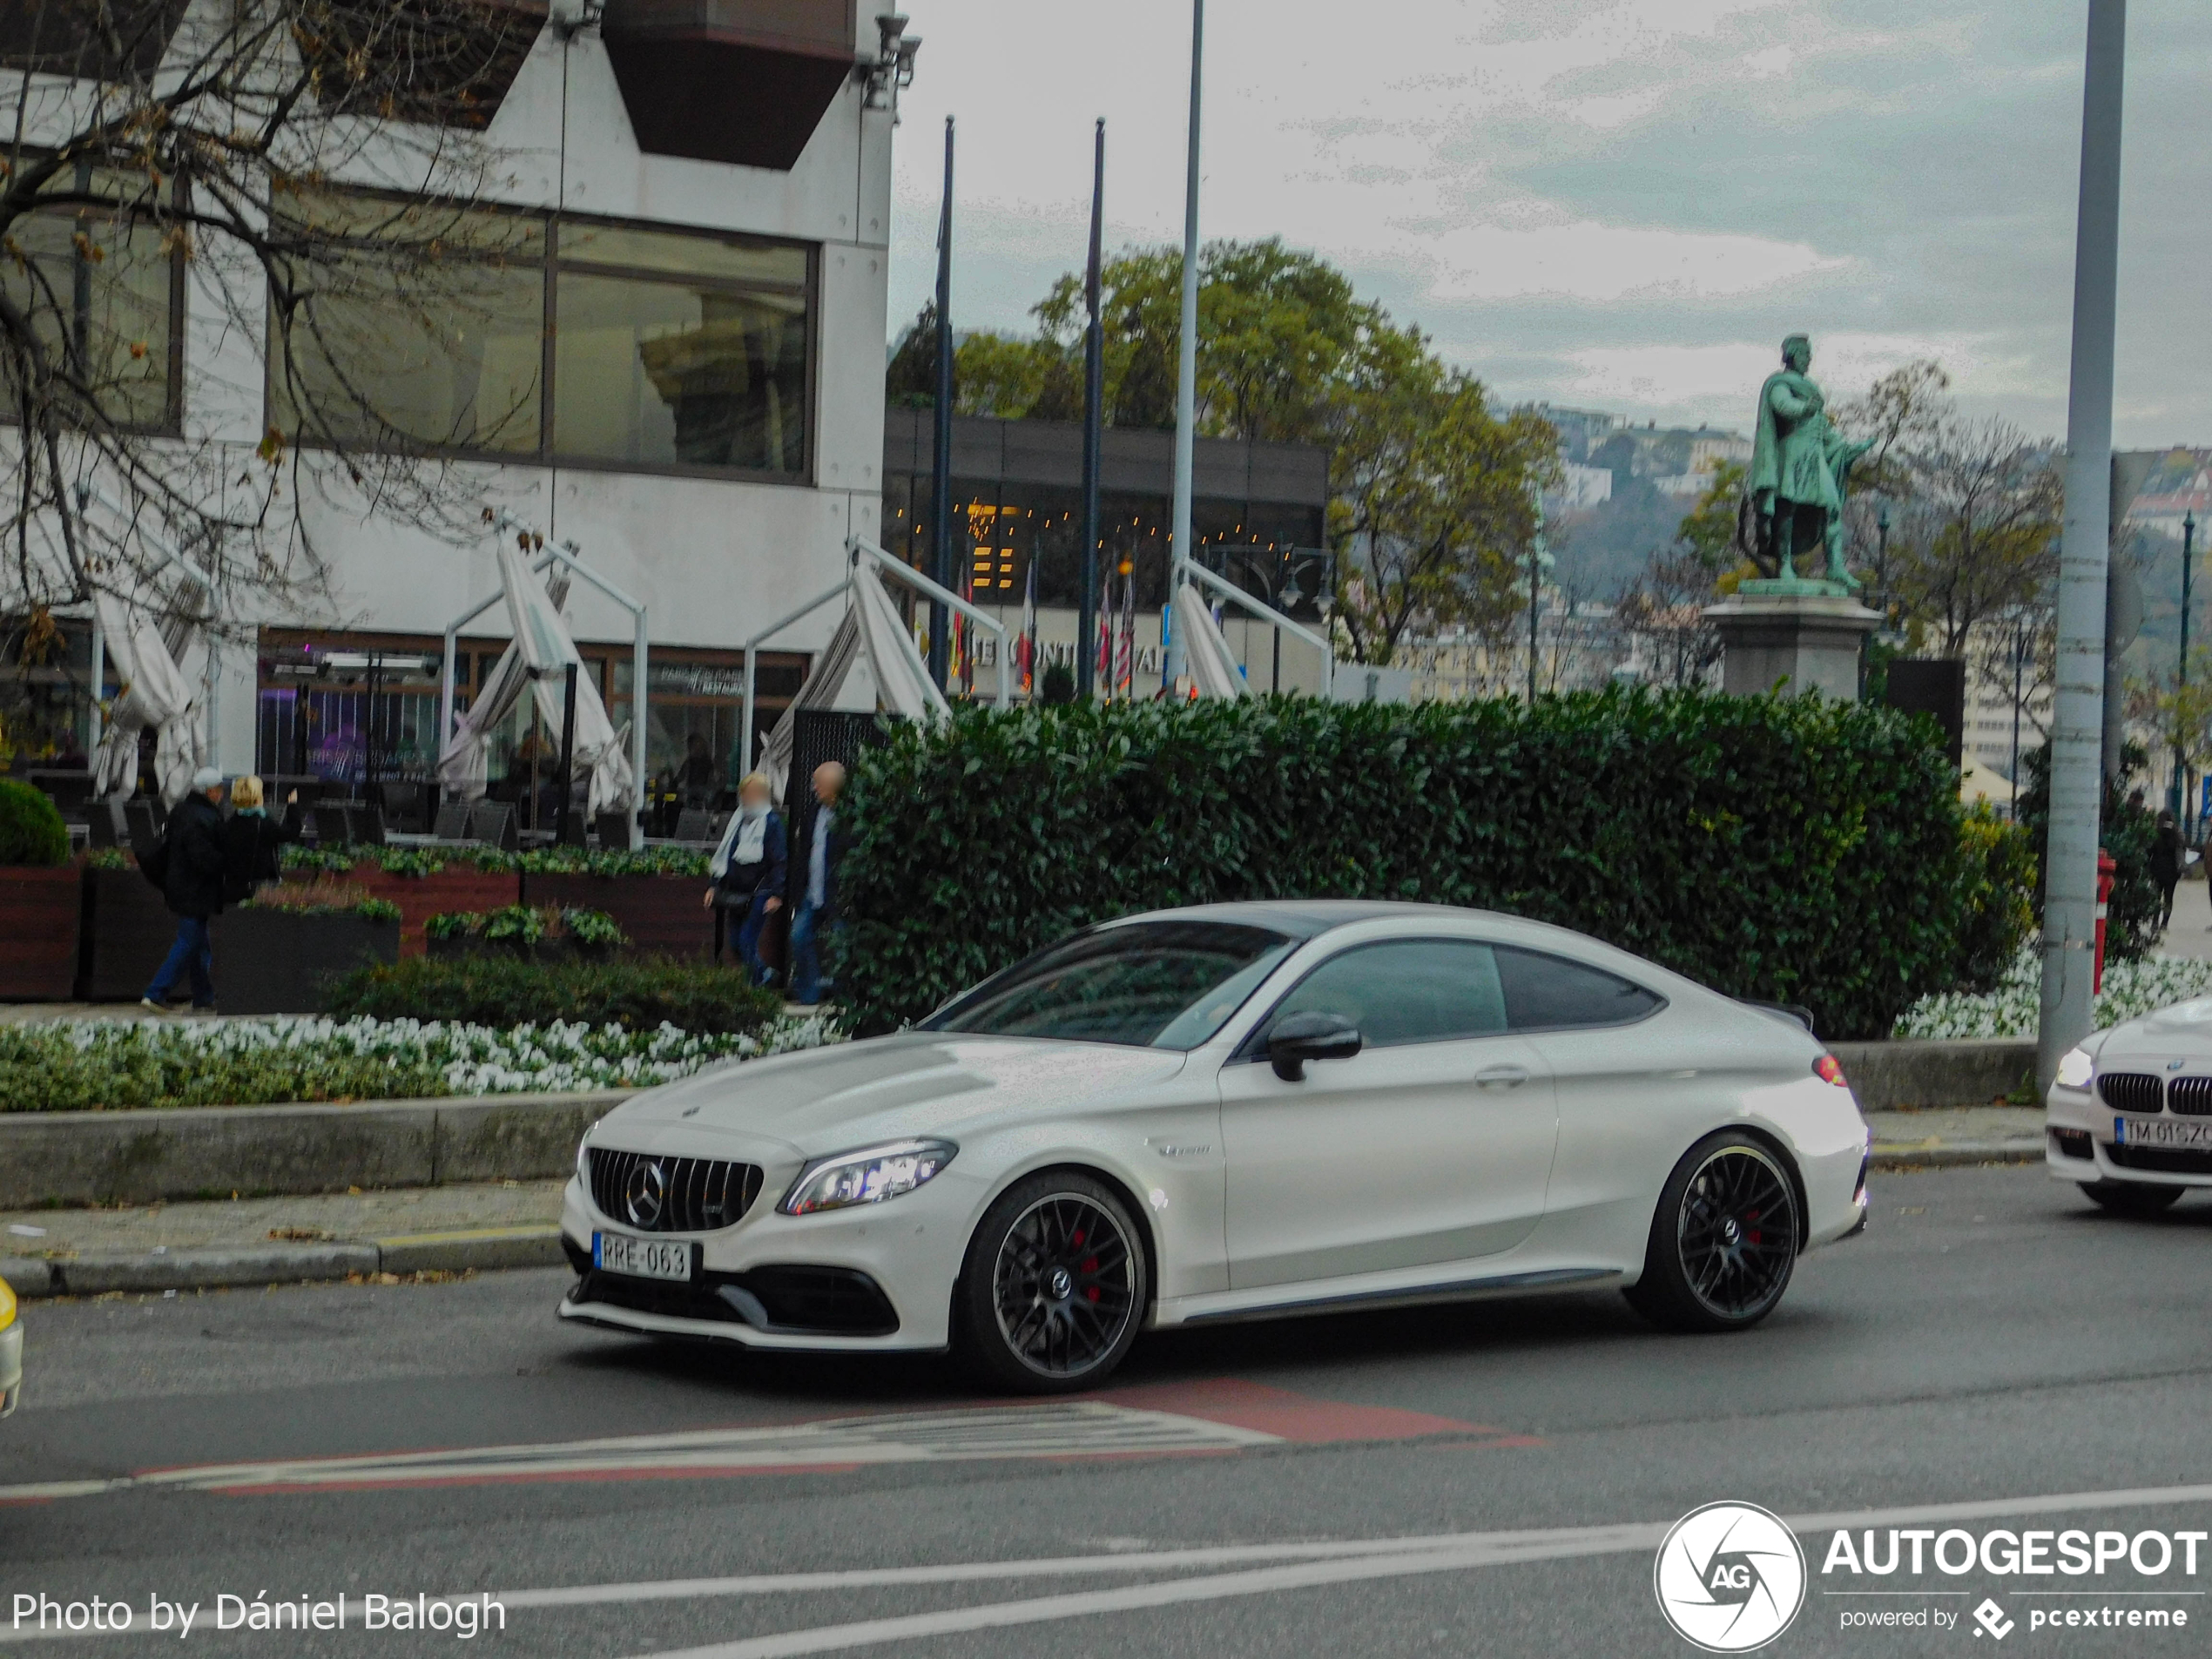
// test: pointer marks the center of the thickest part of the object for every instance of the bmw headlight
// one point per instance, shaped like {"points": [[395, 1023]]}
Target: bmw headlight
{"points": [[868, 1176], [2075, 1070], [7, 1305]]}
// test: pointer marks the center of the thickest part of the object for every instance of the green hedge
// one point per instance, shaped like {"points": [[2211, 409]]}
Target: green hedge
{"points": [[1799, 850], [501, 991], [31, 832]]}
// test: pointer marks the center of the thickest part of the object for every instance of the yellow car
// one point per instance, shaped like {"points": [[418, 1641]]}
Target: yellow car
{"points": [[10, 1350]]}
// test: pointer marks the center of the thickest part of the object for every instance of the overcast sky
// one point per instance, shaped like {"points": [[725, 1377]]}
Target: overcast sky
{"points": [[1615, 204]]}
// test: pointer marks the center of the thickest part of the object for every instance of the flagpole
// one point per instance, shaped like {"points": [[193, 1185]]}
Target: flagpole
{"points": [[1094, 417], [940, 459], [1186, 378]]}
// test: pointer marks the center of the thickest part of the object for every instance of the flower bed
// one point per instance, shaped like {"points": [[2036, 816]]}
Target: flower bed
{"points": [[2131, 989], [540, 932], [86, 1065]]}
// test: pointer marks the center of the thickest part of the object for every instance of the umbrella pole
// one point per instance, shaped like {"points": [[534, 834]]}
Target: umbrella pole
{"points": [[568, 754]]}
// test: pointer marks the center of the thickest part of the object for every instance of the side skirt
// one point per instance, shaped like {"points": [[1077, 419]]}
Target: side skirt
{"points": [[1473, 1290]]}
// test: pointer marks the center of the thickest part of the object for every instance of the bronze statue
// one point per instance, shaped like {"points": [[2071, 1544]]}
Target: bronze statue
{"points": [[1800, 470]]}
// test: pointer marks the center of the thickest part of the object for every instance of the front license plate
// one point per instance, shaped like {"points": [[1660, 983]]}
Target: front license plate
{"points": [[2162, 1131], [668, 1259]]}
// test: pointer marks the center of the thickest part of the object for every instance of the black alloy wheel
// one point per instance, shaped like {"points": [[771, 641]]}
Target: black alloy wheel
{"points": [[1725, 1241], [1055, 1285], [2137, 1199]]}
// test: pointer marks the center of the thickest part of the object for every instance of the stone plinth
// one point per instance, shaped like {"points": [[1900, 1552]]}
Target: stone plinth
{"points": [[1792, 642]]}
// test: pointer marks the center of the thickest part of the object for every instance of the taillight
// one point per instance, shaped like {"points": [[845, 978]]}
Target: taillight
{"points": [[1830, 1069]]}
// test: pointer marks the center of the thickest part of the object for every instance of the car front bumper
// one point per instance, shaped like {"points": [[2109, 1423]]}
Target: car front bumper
{"points": [[907, 1250], [2078, 1145], [10, 1367]]}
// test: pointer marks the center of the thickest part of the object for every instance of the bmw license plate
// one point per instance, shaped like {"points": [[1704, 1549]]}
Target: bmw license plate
{"points": [[669, 1258], [2162, 1131]]}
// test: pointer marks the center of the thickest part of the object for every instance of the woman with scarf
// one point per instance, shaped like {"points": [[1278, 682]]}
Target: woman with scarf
{"points": [[748, 872], [252, 845]]}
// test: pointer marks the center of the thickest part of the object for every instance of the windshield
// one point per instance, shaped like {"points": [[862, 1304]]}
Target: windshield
{"points": [[1150, 984]]}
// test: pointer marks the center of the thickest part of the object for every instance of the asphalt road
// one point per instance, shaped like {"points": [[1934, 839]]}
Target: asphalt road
{"points": [[1990, 1338]]}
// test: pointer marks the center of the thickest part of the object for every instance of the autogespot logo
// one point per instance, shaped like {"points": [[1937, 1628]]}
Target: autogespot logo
{"points": [[1730, 1577]]}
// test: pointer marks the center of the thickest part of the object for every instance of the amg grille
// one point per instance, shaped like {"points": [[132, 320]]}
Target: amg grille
{"points": [[657, 1194], [2131, 1091], [2192, 1096], [2161, 1160]]}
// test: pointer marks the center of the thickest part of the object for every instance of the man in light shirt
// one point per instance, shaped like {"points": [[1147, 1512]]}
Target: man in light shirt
{"points": [[825, 848]]}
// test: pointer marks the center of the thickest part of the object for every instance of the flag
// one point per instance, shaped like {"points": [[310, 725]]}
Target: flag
{"points": [[1026, 658], [1106, 633], [1125, 665]]}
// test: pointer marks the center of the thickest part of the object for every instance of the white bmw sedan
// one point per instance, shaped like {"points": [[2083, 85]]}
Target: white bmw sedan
{"points": [[1229, 1112], [2129, 1117]]}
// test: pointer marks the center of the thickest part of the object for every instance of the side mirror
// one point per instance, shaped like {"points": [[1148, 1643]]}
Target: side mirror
{"points": [[1297, 1038]]}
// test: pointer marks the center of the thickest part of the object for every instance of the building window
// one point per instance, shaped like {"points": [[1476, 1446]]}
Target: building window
{"points": [[431, 335], [565, 341], [104, 290]]}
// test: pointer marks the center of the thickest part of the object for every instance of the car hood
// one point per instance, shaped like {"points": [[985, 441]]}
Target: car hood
{"points": [[846, 1096], [2182, 1032]]}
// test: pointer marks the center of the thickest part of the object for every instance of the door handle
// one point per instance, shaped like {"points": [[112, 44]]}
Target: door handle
{"points": [[1501, 1077]]}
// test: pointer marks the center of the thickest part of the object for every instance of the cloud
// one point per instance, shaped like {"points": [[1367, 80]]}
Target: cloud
{"points": [[1614, 201], [1588, 260]]}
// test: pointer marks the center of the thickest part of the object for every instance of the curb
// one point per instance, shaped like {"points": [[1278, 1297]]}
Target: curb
{"points": [[485, 1250], [1904, 1155]]}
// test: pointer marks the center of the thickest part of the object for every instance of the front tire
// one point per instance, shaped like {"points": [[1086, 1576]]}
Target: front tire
{"points": [[1054, 1288], [2136, 1198], [1723, 1241]]}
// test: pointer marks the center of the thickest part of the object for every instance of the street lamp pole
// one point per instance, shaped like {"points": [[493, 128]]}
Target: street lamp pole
{"points": [[1186, 375], [2182, 671], [2078, 675]]}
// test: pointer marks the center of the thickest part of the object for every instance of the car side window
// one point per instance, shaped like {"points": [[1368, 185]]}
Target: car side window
{"points": [[1545, 993], [1415, 990]]}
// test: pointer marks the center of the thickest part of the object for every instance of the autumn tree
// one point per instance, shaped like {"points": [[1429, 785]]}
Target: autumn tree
{"points": [[1433, 499], [313, 168]]}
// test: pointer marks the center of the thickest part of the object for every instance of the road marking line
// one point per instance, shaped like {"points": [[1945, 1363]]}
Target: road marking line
{"points": [[1059, 1429], [1311, 1562], [1449, 1553], [1208, 1417]]}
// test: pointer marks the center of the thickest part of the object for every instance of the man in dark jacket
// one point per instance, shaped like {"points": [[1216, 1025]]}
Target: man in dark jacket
{"points": [[194, 860], [2168, 857], [818, 913]]}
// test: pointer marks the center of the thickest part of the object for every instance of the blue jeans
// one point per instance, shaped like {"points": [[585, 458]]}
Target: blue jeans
{"points": [[192, 950], [755, 923], [807, 985]]}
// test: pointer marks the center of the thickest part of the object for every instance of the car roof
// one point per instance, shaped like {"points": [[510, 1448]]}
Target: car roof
{"points": [[1307, 918]]}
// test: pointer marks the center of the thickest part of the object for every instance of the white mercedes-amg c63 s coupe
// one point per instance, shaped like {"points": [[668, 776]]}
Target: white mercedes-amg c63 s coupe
{"points": [[1229, 1112], [2129, 1117]]}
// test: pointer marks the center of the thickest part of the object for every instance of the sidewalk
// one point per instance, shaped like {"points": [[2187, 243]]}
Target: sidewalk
{"points": [[1957, 1134], [261, 1241]]}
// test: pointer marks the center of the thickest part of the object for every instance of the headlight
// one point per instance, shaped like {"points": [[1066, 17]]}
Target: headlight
{"points": [[869, 1176], [7, 1305], [2075, 1070]]}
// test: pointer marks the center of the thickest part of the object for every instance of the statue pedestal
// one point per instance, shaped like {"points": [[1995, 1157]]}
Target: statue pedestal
{"points": [[1791, 638]]}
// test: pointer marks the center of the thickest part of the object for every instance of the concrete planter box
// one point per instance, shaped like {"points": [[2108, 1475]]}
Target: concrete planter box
{"points": [[41, 916], [284, 961], [661, 913], [127, 931], [208, 1152], [460, 887]]}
